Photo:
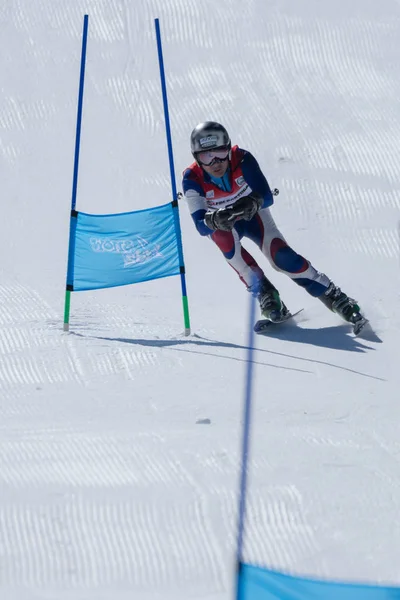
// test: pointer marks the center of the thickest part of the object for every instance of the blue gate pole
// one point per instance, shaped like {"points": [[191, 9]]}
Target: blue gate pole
{"points": [[245, 447], [69, 286], [173, 181]]}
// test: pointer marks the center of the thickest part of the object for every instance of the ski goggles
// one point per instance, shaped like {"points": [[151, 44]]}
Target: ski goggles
{"points": [[209, 157]]}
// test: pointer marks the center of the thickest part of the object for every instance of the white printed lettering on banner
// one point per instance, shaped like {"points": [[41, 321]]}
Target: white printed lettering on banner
{"points": [[137, 251]]}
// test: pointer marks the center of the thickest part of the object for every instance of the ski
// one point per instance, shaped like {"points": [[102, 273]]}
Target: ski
{"points": [[359, 325], [263, 325]]}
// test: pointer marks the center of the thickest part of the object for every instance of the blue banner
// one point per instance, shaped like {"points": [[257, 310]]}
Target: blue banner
{"points": [[257, 583], [120, 249]]}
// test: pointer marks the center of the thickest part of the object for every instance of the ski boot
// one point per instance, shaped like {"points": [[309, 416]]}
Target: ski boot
{"points": [[347, 308], [271, 305]]}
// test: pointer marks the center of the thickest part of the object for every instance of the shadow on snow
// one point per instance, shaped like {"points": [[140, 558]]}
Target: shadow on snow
{"points": [[335, 338]]}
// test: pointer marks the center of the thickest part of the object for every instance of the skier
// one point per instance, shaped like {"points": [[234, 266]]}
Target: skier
{"points": [[229, 198]]}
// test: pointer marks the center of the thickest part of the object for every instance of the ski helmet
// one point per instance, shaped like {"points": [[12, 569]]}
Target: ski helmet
{"points": [[208, 136]]}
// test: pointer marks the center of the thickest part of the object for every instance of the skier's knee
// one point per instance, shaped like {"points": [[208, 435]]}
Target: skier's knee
{"points": [[225, 242], [286, 259]]}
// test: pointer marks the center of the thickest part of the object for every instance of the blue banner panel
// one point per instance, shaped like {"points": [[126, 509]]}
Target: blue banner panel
{"points": [[124, 248], [257, 583]]}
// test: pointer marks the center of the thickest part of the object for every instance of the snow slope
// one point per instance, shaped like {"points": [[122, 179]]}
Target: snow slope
{"points": [[109, 486]]}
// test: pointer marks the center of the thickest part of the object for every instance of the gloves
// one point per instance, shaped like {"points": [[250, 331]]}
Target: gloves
{"points": [[221, 219], [248, 206], [225, 218]]}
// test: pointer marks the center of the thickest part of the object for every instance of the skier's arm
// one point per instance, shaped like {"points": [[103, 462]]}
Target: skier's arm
{"points": [[256, 179], [197, 204]]}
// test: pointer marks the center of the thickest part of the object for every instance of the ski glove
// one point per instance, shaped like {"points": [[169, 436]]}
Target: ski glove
{"points": [[222, 219], [248, 206]]}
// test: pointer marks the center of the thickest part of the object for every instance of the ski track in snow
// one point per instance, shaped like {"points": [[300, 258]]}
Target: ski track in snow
{"points": [[108, 488]]}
